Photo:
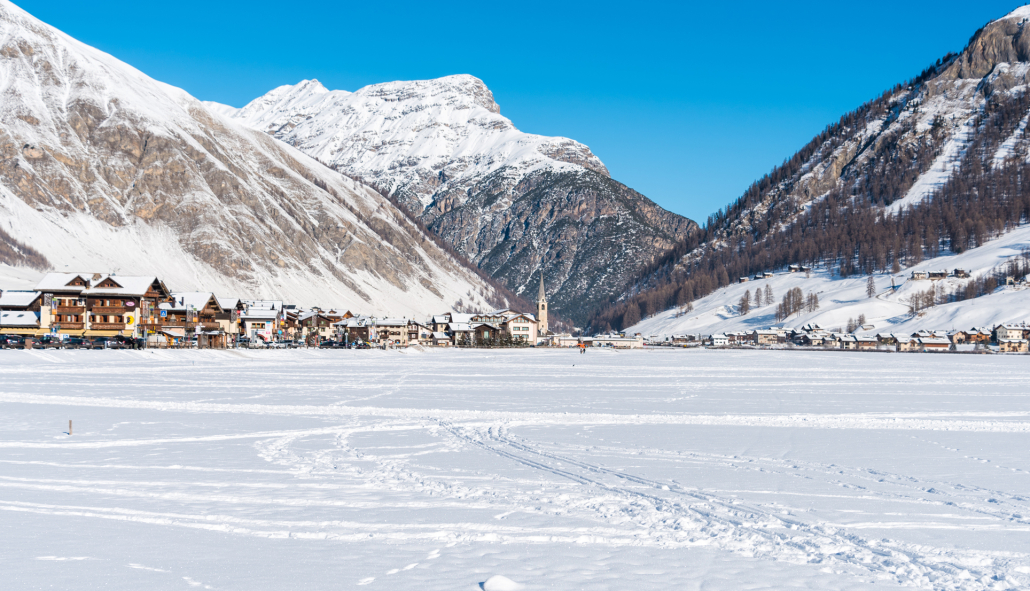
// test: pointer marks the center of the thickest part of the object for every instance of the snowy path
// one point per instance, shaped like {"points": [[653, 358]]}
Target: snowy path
{"points": [[612, 470]]}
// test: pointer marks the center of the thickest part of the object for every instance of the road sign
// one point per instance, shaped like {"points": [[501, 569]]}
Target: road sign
{"points": [[164, 313]]}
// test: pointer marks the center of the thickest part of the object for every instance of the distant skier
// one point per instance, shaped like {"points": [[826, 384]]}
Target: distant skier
{"points": [[582, 348]]}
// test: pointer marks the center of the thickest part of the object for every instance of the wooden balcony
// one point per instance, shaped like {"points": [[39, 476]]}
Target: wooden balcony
{"points": [[68, 310], [107, 325], [70, 325], [119, 310]]}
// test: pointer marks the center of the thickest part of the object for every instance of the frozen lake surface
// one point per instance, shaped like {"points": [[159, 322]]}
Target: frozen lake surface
{"points": [[714, 470]]}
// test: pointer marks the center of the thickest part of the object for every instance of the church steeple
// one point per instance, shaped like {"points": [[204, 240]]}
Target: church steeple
{"points": [[541, 308]]}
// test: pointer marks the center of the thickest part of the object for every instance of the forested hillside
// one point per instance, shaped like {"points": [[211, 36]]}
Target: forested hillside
{"points": [[936, 164]]}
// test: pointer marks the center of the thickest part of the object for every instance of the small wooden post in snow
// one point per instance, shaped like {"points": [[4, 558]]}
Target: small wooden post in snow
{"points": [[69, 426]]}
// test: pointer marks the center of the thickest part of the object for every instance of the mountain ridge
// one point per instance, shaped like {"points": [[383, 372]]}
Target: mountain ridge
{"points": [[103, 167], [512, 203]]}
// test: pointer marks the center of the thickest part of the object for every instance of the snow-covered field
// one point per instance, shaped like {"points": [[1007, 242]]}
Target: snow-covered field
{"points": [[612, 470]]}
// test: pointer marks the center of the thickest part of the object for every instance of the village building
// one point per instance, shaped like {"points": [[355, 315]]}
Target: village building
{"points": [[21, 300], [188, 318], [905, 343], [765, 337], [934, 344], [720, 340], [847, 342], [20, 313], [568, 341], [618, 341], [392, 331], [1011, 332], [315, 326], [229, 317], [261, 320], [20, 322], [522, 327], [356, 329], [1012, 345], [99, 304], [864, 343]]}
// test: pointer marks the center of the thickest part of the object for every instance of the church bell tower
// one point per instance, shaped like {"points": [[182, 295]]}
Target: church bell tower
{"points": [[541, 308]]}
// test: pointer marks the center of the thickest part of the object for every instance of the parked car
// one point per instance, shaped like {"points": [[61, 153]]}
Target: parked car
{"points": [[50, 342], [77, 343], [108, 343], [129, 342], [11, 341]]}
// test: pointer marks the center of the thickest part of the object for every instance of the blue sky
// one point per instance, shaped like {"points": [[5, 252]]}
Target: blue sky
{"points": [[686, 102]]}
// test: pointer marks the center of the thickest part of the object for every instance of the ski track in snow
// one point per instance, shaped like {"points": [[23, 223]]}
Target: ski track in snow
{"points": [[837, 471]]}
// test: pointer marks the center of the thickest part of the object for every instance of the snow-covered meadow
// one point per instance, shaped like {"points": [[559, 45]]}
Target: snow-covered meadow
{"points": [[841, 299], [656, 469]]}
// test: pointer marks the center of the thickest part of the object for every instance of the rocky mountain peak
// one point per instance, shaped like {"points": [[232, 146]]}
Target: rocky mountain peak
{"points": [[460, 91], [1003, 41]]}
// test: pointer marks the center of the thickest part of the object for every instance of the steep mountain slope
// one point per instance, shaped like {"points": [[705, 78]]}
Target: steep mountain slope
{"points": [[513, 203], [938, 164], [103, 168]]}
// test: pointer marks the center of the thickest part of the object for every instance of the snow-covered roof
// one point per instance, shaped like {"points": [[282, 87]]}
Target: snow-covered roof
{"points": [[17, 299], [440, 335], [264, 304], [462, 318], [260, 314], [195, 300], [459, 326], [391, 322], [19, 319], [60, 281], [228, 303], [934, 341], [130, 285]]}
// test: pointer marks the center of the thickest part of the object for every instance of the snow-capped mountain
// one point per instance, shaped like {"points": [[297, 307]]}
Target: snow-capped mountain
{"points": [[935, 166], [105, 169], [410, 139], [514, 203]]}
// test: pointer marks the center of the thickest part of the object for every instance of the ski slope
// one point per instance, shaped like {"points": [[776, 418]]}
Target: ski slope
{"points": [[664, 469], [841, 299]]}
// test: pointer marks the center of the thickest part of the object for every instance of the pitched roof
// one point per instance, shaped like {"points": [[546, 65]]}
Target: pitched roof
{"points": [[196, 300], [60, 281], [130, 285], [228, 303], [19, 318], [18, 299]]}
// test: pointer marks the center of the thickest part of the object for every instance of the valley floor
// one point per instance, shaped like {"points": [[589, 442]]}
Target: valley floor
{"points": [[620, 470]]}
